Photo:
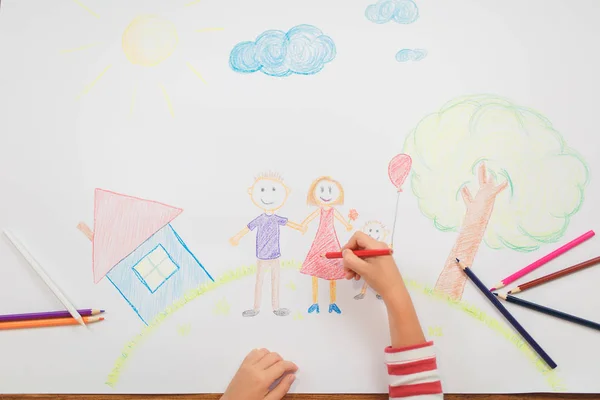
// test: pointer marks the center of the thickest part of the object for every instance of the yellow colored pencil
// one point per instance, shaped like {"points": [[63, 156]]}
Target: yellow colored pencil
{"points": [[43, 323]]}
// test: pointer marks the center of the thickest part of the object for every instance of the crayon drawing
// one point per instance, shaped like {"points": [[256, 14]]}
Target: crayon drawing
{"points": [[406, 55], [325, 193], [147, 41], [379, 232], [268, 193], [496, 172], [399, 11], [303, 50], [140, 253]]}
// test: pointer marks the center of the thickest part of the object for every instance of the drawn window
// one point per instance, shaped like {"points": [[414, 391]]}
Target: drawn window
{"points": [[155, 268]]}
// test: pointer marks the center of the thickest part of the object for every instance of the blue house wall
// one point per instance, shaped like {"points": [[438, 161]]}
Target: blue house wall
{"points": [[145, 303]]}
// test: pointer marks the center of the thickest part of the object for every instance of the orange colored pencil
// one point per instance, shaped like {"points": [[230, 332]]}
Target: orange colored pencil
{"points": [[42, 323]]}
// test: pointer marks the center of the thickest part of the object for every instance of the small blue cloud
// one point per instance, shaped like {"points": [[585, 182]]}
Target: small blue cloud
{"points": [[405, 55], [400, 11], [303, 50]]}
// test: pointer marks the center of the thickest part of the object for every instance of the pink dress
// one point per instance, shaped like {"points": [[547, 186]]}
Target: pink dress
{"points": [[326, 240]]}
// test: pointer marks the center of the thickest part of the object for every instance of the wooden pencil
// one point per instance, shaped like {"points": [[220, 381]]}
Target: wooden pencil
{"points": [[44, 276], [555, 275], [538, 349], [549, 311], [536, 264], [47, 315], [43, 323], [360, 253]]}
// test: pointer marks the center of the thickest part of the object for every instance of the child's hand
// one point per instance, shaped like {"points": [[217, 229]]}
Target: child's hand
{"points": [[259, 370], [381, 273], [234, 241]]}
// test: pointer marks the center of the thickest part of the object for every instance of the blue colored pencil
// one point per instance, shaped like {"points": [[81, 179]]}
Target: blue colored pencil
{"points": [[507, 315], [549, 311]]}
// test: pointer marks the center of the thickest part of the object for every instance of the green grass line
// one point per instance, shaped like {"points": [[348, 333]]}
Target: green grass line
{"points": [[242, 272], [227, 277], [497, 326]]}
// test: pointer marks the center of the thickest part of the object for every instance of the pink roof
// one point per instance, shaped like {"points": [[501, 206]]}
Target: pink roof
{"points": [[121, 224]]}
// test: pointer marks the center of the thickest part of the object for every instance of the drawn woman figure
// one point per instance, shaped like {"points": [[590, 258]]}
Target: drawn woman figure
{"points": [[324, 193]]}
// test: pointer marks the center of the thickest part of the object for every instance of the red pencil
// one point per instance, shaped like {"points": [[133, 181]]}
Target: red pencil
{"points": [[361, 253]]}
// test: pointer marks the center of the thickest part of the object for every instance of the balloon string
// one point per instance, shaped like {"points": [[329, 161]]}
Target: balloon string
{"points": [[395, 217]]}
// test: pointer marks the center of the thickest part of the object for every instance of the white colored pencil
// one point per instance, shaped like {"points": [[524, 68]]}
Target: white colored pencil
{"points": [[40, 271]]}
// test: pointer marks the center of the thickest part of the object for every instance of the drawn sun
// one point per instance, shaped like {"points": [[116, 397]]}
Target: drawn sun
{"points": [[147, 41]]}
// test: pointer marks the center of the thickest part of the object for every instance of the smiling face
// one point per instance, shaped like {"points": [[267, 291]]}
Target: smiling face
{"points": [[269, 194], [376, 230], [326, 192]]}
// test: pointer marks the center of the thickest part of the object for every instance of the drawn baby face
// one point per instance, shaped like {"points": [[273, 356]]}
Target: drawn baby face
{"points": [[269, 194], [376, 230], [326, 192]]}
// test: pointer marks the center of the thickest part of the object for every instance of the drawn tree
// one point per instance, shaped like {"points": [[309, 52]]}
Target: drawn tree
{"points": [[494, 172]]}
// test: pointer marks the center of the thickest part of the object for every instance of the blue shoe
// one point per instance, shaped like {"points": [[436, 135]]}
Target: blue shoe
{"points": [[314, 308], [333, 307]]}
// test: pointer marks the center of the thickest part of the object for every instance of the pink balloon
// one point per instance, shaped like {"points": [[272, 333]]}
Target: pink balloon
{"points": [[398, 169]]}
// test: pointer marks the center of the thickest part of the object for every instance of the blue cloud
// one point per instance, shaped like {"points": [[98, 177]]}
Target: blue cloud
{"points": [[405, 55], [400, 11], [303, 50]]}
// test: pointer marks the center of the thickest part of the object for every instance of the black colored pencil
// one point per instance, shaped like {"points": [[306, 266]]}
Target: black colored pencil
{"points": [[507, 315], [549, 311]]}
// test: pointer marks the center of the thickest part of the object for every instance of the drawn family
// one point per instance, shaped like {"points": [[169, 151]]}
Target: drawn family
{"points": [[269, 193]]}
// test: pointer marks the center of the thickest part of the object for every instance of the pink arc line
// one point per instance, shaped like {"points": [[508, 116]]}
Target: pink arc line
{"points": [[545, 259]]}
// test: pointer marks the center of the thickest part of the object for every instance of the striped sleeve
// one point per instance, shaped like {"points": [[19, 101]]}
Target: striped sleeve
{"points": [[413, 373]]}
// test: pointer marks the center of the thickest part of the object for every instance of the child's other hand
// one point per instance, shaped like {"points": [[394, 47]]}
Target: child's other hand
{"points": [[259, 370], [234, 241], [381, 273]]}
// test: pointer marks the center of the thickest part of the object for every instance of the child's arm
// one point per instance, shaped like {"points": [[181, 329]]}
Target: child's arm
{"points": [[411, 360], [235, 240], [298, 227], [312, 216], [341, 218]]}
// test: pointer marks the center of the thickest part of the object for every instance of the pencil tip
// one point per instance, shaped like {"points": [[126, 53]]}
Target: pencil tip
{"points": [[495, 294], [101, 311], [101, 319], [457, 260]]}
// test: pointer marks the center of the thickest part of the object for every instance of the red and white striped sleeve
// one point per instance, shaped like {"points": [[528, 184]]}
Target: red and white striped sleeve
{"points": [[413, 373]]}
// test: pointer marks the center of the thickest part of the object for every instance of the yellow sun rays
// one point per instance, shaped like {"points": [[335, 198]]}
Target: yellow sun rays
{"points": [[89, 87], [84, 47], [86, 8], [195, 71], [167, 99], [147, 41], [194, 2]]}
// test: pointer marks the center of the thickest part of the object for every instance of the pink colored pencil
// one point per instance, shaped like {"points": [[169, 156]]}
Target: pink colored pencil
{"points": [[543, 260]]}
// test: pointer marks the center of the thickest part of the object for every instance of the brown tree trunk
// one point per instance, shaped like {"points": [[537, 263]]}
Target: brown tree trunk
{"points": [[479, 210]]}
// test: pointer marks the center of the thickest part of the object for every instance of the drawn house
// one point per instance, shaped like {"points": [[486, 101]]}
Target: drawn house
{"points": [[139, 252]]}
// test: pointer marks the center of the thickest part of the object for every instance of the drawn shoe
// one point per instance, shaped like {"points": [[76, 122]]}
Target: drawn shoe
{"points": [[314, 308], [359, 296], [333, 307], [281, 312], [250, 313]]}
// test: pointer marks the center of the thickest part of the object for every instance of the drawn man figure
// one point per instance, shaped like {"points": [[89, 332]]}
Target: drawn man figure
{"points": [[268, 193]]}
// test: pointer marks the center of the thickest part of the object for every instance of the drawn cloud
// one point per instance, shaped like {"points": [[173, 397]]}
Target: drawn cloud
{"points": [[400, 11], [303, 50], [405, 55]]}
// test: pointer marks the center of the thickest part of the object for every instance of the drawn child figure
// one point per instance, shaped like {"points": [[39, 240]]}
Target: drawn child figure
{"points": [[325, 193], [268, 193], [379, 232]]}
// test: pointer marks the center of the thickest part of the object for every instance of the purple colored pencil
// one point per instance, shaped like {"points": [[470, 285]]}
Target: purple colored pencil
{"points": [[46, 315]]}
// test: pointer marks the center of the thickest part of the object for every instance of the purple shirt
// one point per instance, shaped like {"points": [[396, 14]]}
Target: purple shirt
{"points": [[267, 235]]}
